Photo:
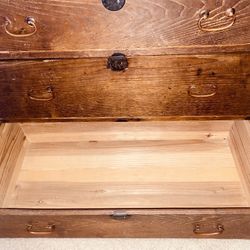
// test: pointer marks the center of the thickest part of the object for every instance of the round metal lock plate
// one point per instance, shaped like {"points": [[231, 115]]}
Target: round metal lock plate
{"points": [[117, 62], [113, 5]]}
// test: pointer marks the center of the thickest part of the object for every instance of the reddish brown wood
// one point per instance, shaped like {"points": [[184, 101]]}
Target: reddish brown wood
{"points": [[154, 86], [205, 84], [141, 223], [142, 27]]}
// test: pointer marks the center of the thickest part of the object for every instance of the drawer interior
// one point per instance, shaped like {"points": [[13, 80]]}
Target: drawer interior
{"points": [[154, 164]]}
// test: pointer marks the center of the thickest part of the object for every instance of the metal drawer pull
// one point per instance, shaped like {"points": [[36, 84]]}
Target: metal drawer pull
{"points": [[219, 230], [120, 215], [49, 229], [44, 97], [29, 20], [193, 91], [229, 13]]}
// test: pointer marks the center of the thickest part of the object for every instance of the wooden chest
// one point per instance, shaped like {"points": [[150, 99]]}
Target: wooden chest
{"points": [[125, 118]]}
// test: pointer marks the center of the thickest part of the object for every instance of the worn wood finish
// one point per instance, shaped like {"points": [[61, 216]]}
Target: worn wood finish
{"points": [[127, 165], [175, 71], [157, 86], [86, 28], [142, 223]]}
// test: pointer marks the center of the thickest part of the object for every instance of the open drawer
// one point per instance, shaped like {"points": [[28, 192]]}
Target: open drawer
{"points": [[192, 164], [157, 166]]}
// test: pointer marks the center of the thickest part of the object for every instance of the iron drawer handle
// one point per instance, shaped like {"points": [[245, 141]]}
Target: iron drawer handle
{"points": [[229, 13], [29, 20], [192, 92], [219, 230], [44, 97], [49, 229]]}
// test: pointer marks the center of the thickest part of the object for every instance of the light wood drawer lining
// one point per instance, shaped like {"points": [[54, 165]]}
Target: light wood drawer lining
{"points": [[129, 165]]}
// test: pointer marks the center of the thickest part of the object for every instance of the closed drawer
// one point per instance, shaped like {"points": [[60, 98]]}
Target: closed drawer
{"points": [[87, 28], [174, 223], [159, 86]]}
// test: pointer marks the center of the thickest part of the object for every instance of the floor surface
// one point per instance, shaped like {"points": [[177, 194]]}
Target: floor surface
{"points": [[122, 244]]}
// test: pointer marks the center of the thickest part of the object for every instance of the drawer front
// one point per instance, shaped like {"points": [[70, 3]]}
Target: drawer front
{"points": [[188, 223], [159, 86], [87, 28]]}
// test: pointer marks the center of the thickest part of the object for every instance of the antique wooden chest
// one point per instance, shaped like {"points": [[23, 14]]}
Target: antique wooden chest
{"points": [[125, 118]]}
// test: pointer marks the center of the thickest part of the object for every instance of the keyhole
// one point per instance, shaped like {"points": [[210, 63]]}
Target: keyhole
{"points": [[113, 5]]}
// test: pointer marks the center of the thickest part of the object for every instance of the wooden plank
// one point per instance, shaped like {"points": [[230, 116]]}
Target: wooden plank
{"points": [[103, 165], [151, 87], [240, 144], [151, 164], [111, 131], [141, 27], [11, 143], [79, 195], [15, 173], [172, 223]]}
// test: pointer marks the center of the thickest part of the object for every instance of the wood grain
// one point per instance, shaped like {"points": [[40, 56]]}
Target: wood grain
{"points": [[119, 131], [139, 222], [172, 223], [127, 165], [155, 86], [240, 145], [11, 154], [85, 28], [79, 195]]}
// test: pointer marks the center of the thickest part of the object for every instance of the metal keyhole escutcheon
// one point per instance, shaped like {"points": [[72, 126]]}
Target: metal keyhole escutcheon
{"points": [[117, 62], [113, 5]]}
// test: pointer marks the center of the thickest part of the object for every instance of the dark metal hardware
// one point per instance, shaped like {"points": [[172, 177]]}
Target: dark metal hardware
{"points": [[113, 5], [117, 62]]}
